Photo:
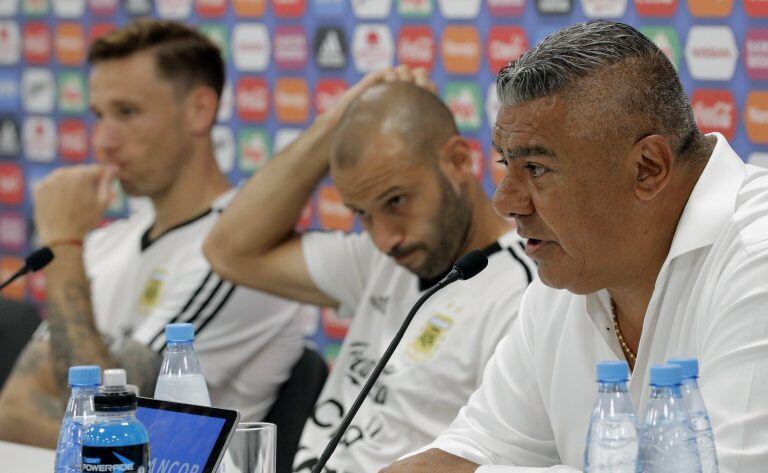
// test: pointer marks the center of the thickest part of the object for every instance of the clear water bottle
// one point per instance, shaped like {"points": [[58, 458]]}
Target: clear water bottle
{"points": [[84, 382], [667, 442], [697, 411], [612, 434], [180, 378], [116, 440]]}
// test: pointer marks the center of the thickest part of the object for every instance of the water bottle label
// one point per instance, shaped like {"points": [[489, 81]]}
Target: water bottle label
{"points": [[131, 458]]}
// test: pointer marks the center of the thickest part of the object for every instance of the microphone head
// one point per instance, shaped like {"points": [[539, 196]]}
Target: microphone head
{"points": [[39, 259], [471, 264]]}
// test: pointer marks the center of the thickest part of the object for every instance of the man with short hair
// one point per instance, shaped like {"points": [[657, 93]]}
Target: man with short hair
{"points": [[651, 240], [154, 90], [400, 165]]}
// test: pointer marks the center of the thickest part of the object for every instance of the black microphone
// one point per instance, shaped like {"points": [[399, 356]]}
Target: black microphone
{"points": [[36, 260], [466, 267]]}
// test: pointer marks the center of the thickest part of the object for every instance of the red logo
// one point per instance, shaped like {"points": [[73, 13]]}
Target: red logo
{"points": [[37, 43], [416, 46], [327, 93], [505, 43], [335, 327], [656, 7], [252, 99], [476, 155], [73, 140], [289, 8], [103, 7], [211, 8], [70, 44], [714, 110], [291, 100], [756, 8], [506, 7], [100, 29], [291, 49], [461, 49], [11, 184]]}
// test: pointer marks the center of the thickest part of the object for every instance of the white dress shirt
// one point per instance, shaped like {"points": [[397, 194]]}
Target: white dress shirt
{"points": [[710, 301]]}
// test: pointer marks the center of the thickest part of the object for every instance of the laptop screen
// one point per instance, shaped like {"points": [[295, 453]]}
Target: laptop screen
{"points": [[184, 438]]}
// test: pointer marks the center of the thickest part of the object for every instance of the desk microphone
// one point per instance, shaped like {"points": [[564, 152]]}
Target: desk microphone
{"points": [[36, 260], [466, 267]]}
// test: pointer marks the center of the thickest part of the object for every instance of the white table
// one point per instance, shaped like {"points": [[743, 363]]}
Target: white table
{"points": [[21, 458]]}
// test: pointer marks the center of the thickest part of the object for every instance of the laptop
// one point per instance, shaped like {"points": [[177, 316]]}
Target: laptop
{"points": [[185, 437]]}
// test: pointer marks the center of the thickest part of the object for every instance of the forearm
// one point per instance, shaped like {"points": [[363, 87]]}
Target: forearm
{"points": [[74, 338], [266, 210]]}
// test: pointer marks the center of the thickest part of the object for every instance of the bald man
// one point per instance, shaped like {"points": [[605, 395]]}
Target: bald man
{"points": [[396, 157]]}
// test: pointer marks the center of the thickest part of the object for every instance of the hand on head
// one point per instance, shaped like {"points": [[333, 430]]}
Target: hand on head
{"points": [[419, 76], [69, 202]]}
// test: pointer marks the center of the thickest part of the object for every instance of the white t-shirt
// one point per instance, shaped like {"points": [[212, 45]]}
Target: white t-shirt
{"points": [[247, 341], [437, 365], [710, 302]]}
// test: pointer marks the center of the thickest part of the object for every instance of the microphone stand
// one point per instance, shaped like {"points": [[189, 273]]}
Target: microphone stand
{"points": [[452, 276]]}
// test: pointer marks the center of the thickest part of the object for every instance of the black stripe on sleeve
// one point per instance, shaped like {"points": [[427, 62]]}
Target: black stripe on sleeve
{"points": [[206, 303], [522, 263], [215, 312]]}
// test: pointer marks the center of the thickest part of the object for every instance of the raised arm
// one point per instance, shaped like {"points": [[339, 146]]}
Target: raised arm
{"points": [[254, 242]]}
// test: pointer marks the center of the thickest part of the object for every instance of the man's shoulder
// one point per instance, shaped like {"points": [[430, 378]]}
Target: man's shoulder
{"points": [[750, 218]]}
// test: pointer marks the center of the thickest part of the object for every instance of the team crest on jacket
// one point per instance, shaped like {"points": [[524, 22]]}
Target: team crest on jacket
{"points": [[153, 288], [425, 345]]}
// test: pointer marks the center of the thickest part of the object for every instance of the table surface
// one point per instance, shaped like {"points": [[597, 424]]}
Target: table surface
{"points": [[15, 457]]}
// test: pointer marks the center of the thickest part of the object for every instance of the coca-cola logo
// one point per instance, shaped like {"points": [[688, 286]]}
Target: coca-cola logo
{"points": [[252, 99], [659, 8], [211, 8], [715, 111], [11, 184], [327, 93], [505, 43], [73, 140], [416, 46], [37, 43]]}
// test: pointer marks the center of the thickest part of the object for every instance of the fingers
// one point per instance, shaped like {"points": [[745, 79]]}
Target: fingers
{"points": [[104, 191]]}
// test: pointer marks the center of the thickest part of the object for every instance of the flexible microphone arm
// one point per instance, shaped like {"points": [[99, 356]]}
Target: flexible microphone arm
{"points": [[466, 267], [36, 260]]}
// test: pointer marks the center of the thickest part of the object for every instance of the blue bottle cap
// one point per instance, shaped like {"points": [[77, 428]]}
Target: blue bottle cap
{"points": [[612, 371], [84, 375], [179, 333], [666, 375], [690, 366]]}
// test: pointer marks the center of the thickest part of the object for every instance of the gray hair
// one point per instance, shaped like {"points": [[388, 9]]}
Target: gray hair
{"points": [[651, 87]]}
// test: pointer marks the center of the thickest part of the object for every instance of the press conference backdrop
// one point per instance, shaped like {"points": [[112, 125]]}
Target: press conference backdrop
{"points": [[288, 60]]}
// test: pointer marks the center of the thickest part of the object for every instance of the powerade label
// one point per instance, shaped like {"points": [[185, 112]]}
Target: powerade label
{"points": [[133, 458]]}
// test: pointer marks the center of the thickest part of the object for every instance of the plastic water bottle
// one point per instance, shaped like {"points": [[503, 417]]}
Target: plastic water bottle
{"points": [[697, 411], [612, 434], [116, 440], [84, 382], [180, 378], [667, 442]]}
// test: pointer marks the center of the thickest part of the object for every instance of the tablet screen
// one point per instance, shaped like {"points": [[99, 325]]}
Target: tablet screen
{"points": [[183, 438]]}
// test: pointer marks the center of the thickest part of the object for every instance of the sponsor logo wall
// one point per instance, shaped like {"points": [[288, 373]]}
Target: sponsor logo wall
{"points": [[289, 60]]}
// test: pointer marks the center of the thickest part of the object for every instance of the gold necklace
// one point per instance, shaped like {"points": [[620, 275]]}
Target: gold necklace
{"points": [[624, 346]]}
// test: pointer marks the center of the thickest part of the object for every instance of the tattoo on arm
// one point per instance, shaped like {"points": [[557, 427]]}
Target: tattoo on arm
{"points": [[142, 365]]}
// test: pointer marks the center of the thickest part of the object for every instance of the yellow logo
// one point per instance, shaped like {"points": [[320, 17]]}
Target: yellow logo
{"points": [[150, 296], [425, 345]]}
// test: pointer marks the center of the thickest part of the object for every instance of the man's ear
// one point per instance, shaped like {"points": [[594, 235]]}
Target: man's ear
{"points": [[456, 160], [202, 108], [652, 160]]}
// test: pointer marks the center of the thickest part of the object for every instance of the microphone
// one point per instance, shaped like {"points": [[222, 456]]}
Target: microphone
{"points": [[35, 261], [466, 267]]}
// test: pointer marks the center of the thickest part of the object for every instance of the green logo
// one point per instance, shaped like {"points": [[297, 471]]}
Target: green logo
{"points": [[666, 39], [253, 150], [414, 8], [464, 99], [217, 34], [72, 92], [35, 7]]}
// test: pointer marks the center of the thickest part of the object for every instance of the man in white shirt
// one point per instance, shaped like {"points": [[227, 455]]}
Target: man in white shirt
{"points": [[401, 166], [652, 243], [154, 91]]}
